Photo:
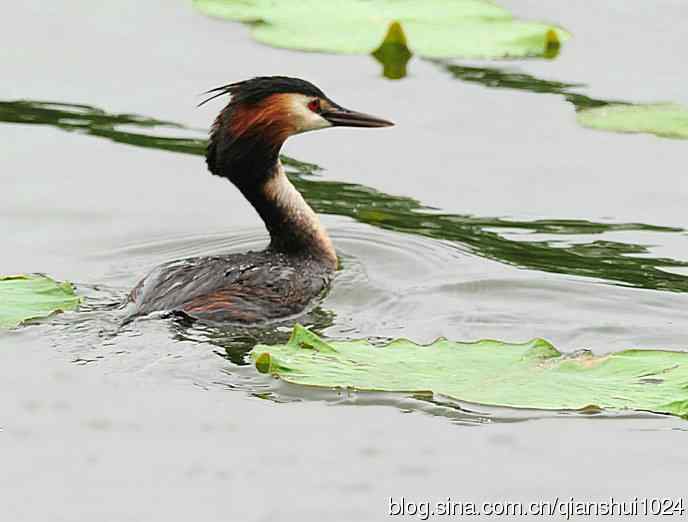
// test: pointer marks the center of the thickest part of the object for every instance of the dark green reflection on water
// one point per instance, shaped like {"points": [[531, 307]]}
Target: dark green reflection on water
{"points": [[612, 261], [483, 236], [498, 78], [96, 122]]}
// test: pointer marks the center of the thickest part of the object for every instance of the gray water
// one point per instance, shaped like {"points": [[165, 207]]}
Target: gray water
{"points": [[530, 226]]}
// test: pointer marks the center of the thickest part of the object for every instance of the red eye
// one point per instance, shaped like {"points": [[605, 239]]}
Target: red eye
{"points": [[314, 105]]}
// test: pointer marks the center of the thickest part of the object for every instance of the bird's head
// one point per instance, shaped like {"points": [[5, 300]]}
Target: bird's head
{"points": [[267, 110]]}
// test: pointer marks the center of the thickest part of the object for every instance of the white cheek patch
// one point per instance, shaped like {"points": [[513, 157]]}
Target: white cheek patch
{"points": [[303, 118]]}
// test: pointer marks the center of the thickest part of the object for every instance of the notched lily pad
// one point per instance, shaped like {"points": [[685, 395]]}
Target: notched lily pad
{"points": [[33, 296], [668, 120], [533, 375], [435, 28]]}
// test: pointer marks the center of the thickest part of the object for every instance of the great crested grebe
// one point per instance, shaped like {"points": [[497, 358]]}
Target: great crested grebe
{"points": [[299, 262]]}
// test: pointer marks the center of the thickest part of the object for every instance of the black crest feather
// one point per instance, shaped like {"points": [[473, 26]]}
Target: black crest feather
{"points": [[253, 90]]}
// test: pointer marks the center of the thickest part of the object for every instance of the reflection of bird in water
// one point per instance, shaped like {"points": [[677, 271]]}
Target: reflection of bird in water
{"points": [[244, 147], [234, 341]]}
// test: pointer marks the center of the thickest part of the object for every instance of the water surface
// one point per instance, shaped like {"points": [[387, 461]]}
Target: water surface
{"points": [[486, 212]]}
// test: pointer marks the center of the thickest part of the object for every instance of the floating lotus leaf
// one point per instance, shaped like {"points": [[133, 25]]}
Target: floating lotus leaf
{"points": [[24, 297], [531, 375], [435, 28], [667, 120]]}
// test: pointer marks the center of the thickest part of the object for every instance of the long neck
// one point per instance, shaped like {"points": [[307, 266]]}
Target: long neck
{"points": [[254, 167], [293, 225]]}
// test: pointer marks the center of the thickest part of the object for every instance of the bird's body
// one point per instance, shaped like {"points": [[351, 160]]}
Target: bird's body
{"points": [[242, 288], [300, 260]]}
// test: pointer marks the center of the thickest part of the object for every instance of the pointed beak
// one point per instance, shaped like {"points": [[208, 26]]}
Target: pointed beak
{"points": [[340, 117]]}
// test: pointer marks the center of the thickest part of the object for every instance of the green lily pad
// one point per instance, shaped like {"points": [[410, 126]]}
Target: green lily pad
{"points": [[435, 28], [24, 297], [667, 120], [531, 375]]}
